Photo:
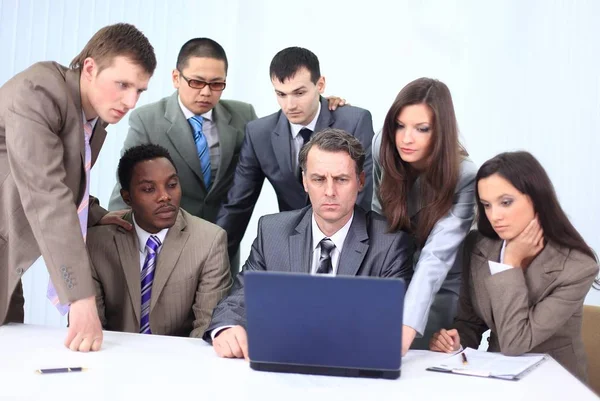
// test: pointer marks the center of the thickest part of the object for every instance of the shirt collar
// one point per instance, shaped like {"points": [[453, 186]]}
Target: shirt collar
{"points": [[502, 251], [85, 120], [338, 238], [143, 235], [188, 114], [295, 128]]}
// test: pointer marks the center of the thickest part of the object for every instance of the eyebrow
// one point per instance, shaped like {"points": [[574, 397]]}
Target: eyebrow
{"points": [[499, 197], [199, 78], [292, 91], [146, 181], [424, 122]]}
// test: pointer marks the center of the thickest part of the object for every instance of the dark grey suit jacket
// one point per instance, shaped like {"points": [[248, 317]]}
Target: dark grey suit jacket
{"points": [[284, 244], [163, 123], [267, 153]]}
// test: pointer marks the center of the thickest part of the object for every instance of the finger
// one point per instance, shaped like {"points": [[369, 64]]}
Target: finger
{"points": [[85, 345], [333, 104], [442, 341], [342, 102], [121, 222], [224, 349], [97, 344], [235, 347], [218, 348], [74, 345], [242, 341], [71, 333]]}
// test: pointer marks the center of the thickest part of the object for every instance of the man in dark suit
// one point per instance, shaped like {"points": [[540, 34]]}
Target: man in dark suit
{"points": [[272, 144], [182, 259], [334, 236], [52, 127]]}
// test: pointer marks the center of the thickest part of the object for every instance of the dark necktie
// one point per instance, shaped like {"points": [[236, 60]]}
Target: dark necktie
{"points": [[325, 266], [305, 133]]}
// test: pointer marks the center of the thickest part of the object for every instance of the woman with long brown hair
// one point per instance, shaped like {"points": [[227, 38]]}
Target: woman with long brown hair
{"points": [[424, 184], [526, 270]]}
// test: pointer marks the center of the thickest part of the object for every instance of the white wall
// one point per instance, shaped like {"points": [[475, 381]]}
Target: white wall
{"points": [[523, 74]]}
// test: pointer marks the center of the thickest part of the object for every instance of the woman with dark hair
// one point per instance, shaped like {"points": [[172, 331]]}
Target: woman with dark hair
{"points": [[424, 184], [526, 269]]}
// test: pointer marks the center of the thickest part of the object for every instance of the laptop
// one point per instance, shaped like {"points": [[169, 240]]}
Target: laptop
{"points": [[324, 325]]}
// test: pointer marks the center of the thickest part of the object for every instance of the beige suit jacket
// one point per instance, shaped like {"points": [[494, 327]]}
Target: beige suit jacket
{"points": [[537, 309], [191, 276], [42, 180]]}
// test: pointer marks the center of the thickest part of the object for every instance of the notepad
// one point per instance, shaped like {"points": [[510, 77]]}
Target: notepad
{"points": [[490, 364]]}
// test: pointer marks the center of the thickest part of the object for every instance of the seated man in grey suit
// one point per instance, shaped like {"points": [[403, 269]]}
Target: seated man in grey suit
{"points": [[271, 146], [167, 275], [333, 236]]}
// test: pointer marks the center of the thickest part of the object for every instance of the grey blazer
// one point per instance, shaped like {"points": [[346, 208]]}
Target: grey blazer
{"points": [[267, 153], [163, 123], [538, 309], [284, 244], [431, 298]]}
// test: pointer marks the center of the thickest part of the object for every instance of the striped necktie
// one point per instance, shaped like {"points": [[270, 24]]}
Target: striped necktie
{"points": [[325, 266], [82, 212], [147, 277], [202, 148]]}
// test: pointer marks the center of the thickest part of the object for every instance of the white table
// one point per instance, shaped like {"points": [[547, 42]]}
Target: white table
{"points": [[142, 367]]}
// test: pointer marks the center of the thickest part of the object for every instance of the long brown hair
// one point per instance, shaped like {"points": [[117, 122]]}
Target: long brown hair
{"points": [[439, 180], [527, 175]]}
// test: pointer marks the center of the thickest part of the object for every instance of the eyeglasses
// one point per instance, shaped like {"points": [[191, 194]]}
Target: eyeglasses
{"points": [[197, 84]]}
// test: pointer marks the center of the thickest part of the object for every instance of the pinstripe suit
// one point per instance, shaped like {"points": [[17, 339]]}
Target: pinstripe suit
{"points": [[191, 276], [284, 244]]}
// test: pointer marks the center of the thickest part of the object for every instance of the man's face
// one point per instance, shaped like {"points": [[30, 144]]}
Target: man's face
{"points": [[204, 69], [298, 96], [332, 185], [154, 194], [112, 91]]}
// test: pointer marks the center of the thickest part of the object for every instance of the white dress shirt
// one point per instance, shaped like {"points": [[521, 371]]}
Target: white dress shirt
{"points": [[298, 141], [209, 129], [143, 236], [496, 267], [338, 240]]}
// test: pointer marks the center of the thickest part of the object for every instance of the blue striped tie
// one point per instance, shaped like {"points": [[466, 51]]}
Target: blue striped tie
{"points": [[202, 148], [147, 277]]}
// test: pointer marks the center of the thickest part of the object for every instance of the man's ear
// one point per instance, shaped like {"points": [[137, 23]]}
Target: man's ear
{"points": [[126, 197], [361, 181], [321, 85]]}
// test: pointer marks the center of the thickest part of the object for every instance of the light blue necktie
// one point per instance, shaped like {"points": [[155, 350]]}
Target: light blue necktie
{"points": [[147, 277], [202, 148]]}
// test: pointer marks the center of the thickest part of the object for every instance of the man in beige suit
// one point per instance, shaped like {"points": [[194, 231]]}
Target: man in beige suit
{"points": [[167, 275], [52, 126]]}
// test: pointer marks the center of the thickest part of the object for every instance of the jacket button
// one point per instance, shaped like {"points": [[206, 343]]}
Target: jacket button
{"points": [[19, 270], [70, 285]]}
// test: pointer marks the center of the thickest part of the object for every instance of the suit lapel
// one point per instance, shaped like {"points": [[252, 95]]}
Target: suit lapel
{"points": [[325, 119], [167, 258], [485, 250], [543, 270], [280, 140], [129, 255], [415, 201], [300, 245], [180, 135], [227, 137], [356, 245]]}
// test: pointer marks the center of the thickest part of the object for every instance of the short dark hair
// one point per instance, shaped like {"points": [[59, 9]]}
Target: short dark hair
{"points": [[335, 140], [138, 154], [527, 175], [288, 61], [118, 40], [201, 47]]}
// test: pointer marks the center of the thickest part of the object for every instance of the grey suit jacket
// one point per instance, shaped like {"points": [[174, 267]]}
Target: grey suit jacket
{"points": [[191, 277], [284, 244], [267, 153], [538, 309], [436, 281], [42, 181], [163, 123]]}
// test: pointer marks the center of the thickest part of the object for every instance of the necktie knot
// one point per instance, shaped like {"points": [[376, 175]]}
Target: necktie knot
{"points": [[197, 122], [305, 133], [153, 244]]}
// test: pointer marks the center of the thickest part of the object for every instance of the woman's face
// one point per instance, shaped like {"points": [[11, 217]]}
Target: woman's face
{"points": [[508, 210], [414, 128]]}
